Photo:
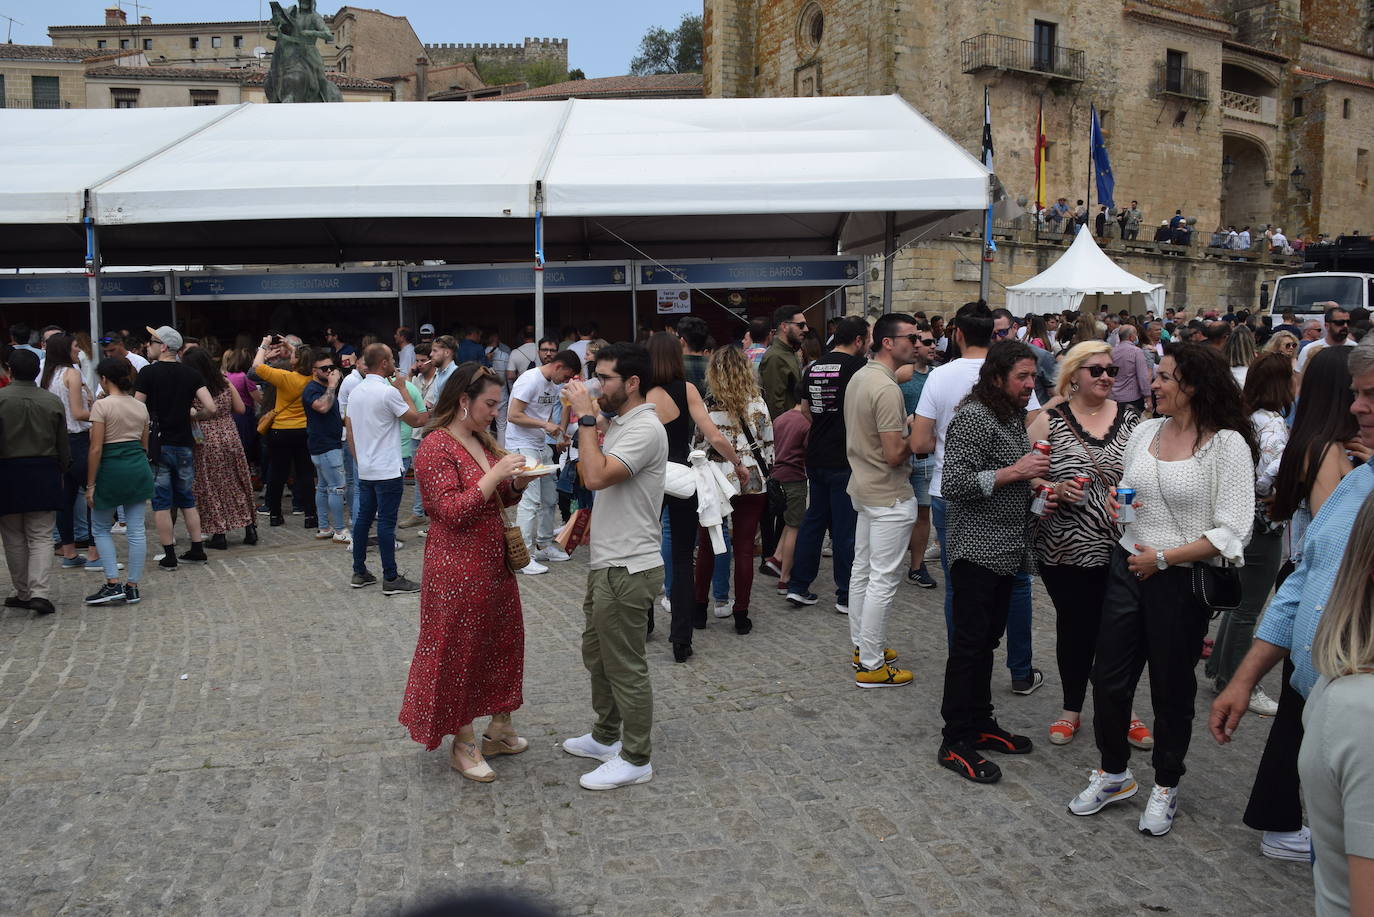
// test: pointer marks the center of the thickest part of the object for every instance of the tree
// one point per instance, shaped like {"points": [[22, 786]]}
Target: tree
{"points": [[675, 51], [535, 73], [576, 74]]}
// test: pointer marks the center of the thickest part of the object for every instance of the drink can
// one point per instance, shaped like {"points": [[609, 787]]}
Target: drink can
{"points": [[1040, 505], [1042, 446], [1125, 496], [1082, 480]]}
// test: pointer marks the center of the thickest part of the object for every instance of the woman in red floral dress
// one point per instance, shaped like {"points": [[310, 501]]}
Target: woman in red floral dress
{"points": [[470, 658]]}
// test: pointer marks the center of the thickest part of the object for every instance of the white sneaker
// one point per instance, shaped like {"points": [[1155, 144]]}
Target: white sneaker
{"points": [[617, 772], [933, 551], [424, 533], [533, 568], [666, 605], [585, 746], [724, 609], [1262, 704], [841, 608], [1102, 790], [1288, 845], [343, 538], [1158, 816], [826, 549], [552, 554], [119, 528]]}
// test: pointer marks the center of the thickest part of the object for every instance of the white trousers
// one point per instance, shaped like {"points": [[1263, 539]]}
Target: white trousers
{"points": [[881, 541]]}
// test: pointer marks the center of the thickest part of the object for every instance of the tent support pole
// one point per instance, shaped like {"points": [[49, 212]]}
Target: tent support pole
{"points": [[93, 276], [889, 257], [538, 261]]}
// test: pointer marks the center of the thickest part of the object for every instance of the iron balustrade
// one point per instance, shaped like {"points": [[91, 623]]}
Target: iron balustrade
{"points": [[1002, 52]]}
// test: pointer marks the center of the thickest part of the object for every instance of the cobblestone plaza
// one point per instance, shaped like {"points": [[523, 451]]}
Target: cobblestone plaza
{"points": [[230, 746]]}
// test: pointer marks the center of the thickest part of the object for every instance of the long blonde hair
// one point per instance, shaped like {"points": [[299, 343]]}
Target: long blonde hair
{"points": [[1344, 644], [1073, 361], [730, 379]]}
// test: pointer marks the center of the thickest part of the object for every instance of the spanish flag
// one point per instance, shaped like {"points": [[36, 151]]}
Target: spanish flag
{"points": [[1040, 144]]}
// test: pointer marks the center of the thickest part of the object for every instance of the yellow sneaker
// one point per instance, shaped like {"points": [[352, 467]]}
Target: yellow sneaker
{"points": [[886, 677], [889, 657]]}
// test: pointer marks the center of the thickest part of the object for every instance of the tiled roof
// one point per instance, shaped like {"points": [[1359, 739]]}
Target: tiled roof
{"points": [[157, 26], [257, 77], [662, 85], [166, 73], [50, 52], [248, 76], [1303, 71]]}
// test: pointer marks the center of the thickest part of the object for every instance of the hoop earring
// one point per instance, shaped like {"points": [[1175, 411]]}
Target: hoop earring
{"points": [[465, 414]]}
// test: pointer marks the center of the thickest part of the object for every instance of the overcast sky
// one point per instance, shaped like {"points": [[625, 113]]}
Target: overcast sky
{"points": [[602, 35]]}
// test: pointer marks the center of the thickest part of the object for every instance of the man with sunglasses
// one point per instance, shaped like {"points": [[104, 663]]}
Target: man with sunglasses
{"points": [[116, 345], [1131, 369], [1337, 335]]}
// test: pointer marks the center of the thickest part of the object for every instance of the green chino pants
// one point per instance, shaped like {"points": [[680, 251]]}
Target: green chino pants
{"points": [[617, 609]]}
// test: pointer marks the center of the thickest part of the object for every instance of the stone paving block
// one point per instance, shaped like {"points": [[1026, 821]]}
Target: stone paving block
{"points": [[274, 778]]}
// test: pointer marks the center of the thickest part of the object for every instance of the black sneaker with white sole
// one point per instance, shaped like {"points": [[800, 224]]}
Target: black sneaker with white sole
{"points": [[131, 596], [108, 592], [1025, 686], [802, 598]]}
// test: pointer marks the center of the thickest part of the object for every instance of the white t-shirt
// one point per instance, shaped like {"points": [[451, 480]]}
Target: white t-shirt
{"points": [[346, 388], [946, 386], [405, 359], [522, 358], [136, 361], [374, 411], [541, 401], [580, 348], [1316, 347]]}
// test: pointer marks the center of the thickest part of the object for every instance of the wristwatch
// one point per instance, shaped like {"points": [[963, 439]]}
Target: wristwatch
{"points": [[1160, 562], [587, 420]]}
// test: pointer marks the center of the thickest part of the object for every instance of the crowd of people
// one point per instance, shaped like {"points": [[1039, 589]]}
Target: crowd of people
{"points": [[1156, 472], [1124, 223]]}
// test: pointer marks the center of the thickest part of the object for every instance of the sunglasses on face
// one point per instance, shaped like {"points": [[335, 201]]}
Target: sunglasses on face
{"points": [[802, 325], [1003, 333], [1097, 371], [1339, 322]]}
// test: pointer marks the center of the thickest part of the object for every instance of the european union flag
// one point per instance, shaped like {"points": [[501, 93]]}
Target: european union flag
{"points": [[1102, 165]]}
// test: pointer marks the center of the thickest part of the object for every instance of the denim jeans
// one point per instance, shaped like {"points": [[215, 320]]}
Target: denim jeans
{"points": [[1018, 617], [535, 513], [174, 479], [829, 508], [350, 482], [720, 578], [378, 500], [101, 520], [329, 488]]}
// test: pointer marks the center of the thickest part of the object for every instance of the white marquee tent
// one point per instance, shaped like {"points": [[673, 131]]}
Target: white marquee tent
{"points": [[1082, 271]]}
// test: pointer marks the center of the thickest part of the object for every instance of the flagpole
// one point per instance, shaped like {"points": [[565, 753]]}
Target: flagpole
{"points": [[1088, 205], [985, 266]]}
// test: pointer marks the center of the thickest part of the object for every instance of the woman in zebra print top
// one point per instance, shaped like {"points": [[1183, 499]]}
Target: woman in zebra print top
{"points": [[1087, 434]]}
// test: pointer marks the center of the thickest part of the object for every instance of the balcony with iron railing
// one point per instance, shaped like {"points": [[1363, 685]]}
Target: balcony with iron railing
{"points": [[1181, 82], [12, 102], [1002, 52]]}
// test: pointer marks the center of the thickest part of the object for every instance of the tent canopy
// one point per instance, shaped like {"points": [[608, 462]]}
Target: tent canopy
{"points": [[460, 182], [1081, 271]]}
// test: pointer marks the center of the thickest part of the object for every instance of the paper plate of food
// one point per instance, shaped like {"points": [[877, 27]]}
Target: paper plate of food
{"points": [[537, 471]]}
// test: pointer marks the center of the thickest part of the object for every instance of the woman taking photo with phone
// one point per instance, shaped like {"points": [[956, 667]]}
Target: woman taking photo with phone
{"points": [[470, 658]]}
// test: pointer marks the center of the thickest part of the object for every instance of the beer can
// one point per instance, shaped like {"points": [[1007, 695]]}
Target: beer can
{"points": [[1040, 505], [1042, 446], [1125, 496], [1082, 480]]}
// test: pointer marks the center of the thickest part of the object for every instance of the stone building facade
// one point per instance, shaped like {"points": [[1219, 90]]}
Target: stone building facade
{"points": [[1233, 111]]}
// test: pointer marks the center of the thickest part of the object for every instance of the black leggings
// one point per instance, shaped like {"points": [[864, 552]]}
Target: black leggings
{"points": [[682, 524], [1077, 593], [287, 450], [72, 481]]}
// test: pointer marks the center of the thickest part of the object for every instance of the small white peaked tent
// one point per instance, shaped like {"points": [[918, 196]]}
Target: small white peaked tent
{"points": [[1083, 270]]}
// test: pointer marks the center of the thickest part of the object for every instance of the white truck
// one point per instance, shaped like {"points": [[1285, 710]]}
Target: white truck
{"points": [[1340, 271]]}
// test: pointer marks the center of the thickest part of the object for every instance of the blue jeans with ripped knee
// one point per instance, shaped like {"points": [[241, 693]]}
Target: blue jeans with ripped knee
{"points": [[329, 489]]}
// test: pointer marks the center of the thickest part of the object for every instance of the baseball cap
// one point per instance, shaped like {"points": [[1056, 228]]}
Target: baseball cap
{"points": [[427, 328], [168, 336]]}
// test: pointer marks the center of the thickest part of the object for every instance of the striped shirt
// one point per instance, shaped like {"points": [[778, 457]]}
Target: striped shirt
{"points": [[1292, 617]]}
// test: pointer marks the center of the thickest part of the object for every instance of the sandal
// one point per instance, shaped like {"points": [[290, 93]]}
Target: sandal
{"points": [[1063, 731], [481, 771], [1138, 734], [507, 745]]}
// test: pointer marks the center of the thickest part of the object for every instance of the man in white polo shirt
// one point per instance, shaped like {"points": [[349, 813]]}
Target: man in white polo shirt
{"points": [[533, 406], [376, 408]]}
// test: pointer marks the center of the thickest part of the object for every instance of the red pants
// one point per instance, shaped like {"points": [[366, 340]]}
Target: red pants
{"points": [[744, 524]]}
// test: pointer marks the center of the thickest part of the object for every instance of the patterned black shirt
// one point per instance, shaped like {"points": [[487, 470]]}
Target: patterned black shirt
{"points": [[988, 526]]}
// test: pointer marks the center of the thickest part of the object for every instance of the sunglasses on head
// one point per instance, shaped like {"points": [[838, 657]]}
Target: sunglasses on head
{"points": [[1097, 371]]}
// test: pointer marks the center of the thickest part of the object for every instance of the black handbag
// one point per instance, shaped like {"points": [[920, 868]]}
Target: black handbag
{"points": [[1216, 587]]}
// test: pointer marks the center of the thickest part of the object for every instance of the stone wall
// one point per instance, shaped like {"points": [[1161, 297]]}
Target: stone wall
{"points": [[373, 44], [18, 79], [532, 49]]}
